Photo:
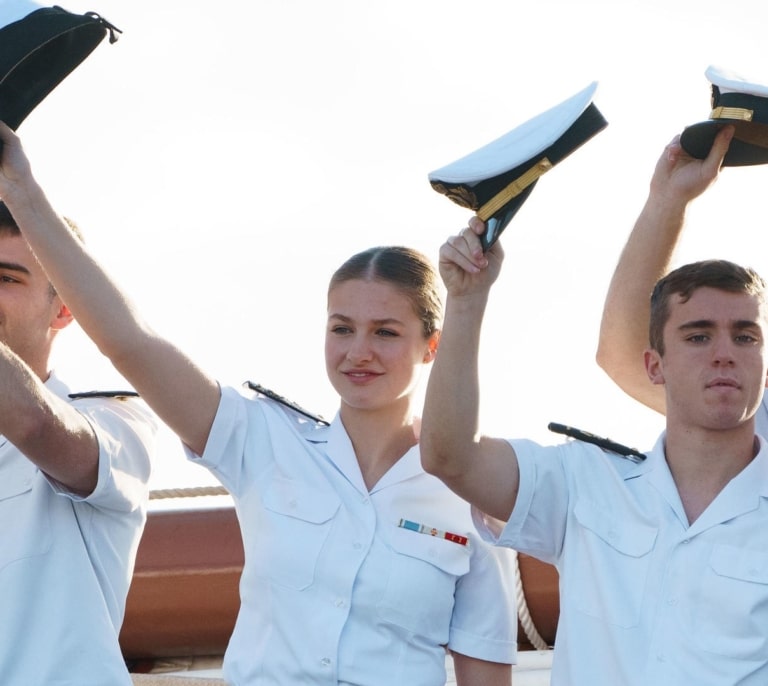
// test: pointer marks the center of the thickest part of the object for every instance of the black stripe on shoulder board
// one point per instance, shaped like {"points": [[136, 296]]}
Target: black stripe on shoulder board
{"points": [[104, 394], [284, 401], [605, 443]]}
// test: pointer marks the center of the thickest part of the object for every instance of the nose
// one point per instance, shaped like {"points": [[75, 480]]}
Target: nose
{"points": [[359, 350], [723, 351]]}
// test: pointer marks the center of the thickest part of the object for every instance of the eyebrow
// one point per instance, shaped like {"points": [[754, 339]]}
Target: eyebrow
{"points": [[710, 324], [14, 267], [378, 322]]}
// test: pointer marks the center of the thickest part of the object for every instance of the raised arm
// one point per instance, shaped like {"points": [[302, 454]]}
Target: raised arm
{"points": [[646, 257], [45, 428], [480, 469], [179, 392]]}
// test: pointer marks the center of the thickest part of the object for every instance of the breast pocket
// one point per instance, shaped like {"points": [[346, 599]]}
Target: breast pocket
{"points": [[608, 563], [25, 515], [421, 581], [299, 519], [732, 620]]}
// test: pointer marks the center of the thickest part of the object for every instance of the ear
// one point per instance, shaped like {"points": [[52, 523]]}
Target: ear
{"points": [[654, 367], [62, 317], [432, 344]]}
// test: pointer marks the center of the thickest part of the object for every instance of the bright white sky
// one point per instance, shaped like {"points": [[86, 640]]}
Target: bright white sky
{"points": [[223, 159]]}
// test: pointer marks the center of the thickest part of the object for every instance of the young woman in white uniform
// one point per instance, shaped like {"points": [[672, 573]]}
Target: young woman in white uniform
{"points": [[359, 567]]}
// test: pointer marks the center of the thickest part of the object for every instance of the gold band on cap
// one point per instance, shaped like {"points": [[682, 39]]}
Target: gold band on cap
{"points": [[738, 113], [513, 189]]}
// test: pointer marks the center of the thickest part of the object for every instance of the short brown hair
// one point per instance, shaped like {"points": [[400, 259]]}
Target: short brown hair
{"points": [[406, 269], [720, 274]]}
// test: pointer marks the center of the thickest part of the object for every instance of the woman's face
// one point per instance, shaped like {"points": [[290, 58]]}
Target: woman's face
{"points": [[374, 344]]}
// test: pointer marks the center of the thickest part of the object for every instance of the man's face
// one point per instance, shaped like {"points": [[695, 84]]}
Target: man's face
{"points": [[714, 365], [30, 314]]}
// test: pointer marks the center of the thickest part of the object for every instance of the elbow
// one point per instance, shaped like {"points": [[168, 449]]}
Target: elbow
{"points": [[603, 359], [607, 360], [433, 460], [430, 460], [439, 461]]}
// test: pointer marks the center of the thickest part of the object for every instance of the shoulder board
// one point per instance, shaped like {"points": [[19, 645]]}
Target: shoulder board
{"points": [[605, 443], [283, 401], [121, 395]]}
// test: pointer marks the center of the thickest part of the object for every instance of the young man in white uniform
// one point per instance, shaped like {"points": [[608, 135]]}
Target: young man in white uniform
{"points": [[677, 180], [663, 563], [73, 493]]}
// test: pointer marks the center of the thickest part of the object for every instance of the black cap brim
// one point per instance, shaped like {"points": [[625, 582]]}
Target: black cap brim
{"points": [[749, 145]]}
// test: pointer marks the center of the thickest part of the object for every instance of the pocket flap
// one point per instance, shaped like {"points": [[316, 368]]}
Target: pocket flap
{"points": [[738, 563], [14, 484], [629, 538], [451, 557], [298, 500]]}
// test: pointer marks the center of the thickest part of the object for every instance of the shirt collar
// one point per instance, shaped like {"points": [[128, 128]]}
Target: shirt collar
{"points": [[740, 495], [56, 385], [339, 450]]}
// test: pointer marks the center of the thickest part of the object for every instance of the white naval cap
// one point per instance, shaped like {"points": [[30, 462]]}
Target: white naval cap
{"points": [[741, 103], [496, 179]]}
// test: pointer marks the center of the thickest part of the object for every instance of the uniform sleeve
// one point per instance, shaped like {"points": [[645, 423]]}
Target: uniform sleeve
{"points": [[126, 432], [538, 521], [484, 622], [239, 428]]}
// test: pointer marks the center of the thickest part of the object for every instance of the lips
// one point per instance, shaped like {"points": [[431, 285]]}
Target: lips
{"points": [[723, 383], [360, 374]]}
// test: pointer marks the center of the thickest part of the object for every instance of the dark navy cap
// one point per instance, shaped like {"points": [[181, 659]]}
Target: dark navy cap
{"points": [[741, 103], [39, 47]]}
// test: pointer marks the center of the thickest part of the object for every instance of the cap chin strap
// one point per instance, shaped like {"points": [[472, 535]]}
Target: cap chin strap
{"points": [[738, 113], [512, 190]]}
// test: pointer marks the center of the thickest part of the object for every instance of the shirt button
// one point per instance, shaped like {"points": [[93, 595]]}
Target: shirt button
{"points": [[357, 545], [672, 601], [661, 657], [340, 602], [326, 662]]}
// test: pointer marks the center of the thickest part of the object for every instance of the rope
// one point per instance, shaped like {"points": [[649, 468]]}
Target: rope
{"points": [[523, 614], [192, 492]]}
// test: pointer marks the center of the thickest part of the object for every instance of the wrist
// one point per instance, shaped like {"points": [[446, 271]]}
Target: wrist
{"points": [[467, 305], [666, 205], [25, 199]]}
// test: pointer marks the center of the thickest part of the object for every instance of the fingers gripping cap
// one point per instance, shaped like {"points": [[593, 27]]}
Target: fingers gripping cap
{"points": [[496, 179], [741, 103], [39, 47]]}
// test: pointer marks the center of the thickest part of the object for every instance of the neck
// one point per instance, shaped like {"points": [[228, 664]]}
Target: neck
{"points": [[379, 437], [702, 462]]}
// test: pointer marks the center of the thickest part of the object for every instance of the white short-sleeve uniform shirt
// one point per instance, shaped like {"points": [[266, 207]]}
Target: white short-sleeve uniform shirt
{"points": [[646, 598], [333, 591], [66, 562]]}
